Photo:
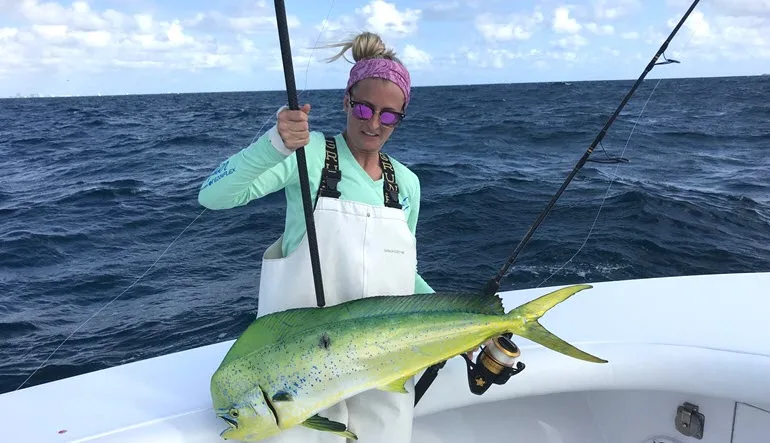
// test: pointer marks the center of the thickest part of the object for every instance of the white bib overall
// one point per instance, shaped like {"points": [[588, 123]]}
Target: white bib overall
{"points": [[364, 251]]}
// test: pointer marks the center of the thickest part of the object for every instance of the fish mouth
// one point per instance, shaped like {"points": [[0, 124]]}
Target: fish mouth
{"points": [[229, 421], [232, 424]]}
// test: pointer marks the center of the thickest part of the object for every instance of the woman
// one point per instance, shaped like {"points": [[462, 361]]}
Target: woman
{"points": [[366, 210]]}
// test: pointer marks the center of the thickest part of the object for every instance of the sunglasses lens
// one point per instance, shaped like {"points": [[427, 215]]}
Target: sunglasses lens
{"points": [[362, 111], [389, 118]]}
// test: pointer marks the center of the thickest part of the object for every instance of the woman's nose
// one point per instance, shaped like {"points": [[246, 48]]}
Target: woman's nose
{"points": [[374, 122]]}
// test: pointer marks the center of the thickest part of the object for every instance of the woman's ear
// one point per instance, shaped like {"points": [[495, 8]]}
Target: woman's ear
{"points": [[345, 103]]}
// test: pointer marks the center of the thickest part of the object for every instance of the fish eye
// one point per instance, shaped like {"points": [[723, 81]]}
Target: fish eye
{"points": [[234, 413]]}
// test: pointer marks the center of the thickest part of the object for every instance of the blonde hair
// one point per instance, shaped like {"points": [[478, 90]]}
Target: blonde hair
{"points": [[364, 46]]}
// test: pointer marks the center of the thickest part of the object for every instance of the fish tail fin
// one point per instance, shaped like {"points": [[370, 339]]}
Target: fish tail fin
{"points": [[526, 318]]}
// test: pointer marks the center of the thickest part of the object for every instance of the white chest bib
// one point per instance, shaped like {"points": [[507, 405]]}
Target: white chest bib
{"points": [[364, 250]]}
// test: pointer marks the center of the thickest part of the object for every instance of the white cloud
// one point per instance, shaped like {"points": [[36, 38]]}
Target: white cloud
{"points": [[79, 15], [563, 23], [8, 33], [441, 6], [741, 8], [176, 35], [51, 32], [329, 27], [600, 29], [454, 10], [572, 43], [441, 10], [248, 22], [73, 37], [143, 22], [415, 58], [384, 18], [96, 39], [614, 9], [500, 57], [697, 25], [514, 27], [630, 35], [377, 16], [497, 57], [729, 34]]}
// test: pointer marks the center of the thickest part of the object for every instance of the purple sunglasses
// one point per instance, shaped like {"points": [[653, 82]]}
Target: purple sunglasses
{"points": [[363, 111]]}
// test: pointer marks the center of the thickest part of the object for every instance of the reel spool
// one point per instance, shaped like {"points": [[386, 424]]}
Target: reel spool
{"points": [[496, 363]]}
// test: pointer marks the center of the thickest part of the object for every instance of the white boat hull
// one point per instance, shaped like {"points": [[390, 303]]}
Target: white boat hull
{"points": [[701, 339]]}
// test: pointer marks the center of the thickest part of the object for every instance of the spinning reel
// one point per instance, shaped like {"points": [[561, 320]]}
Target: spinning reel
{"points": [[496, 363]]}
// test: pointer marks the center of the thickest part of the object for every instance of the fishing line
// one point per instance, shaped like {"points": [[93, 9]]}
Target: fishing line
{"points": [[612, 180], [307, 68], [111, 301], [620, 158]]}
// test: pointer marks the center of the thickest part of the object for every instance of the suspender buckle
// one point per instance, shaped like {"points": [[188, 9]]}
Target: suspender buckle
{"points": [[331, 175], [329, 182]]}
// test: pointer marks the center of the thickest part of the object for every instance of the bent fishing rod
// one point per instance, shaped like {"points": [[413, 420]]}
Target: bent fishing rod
{"points": [[493, 285], [304, 182]]}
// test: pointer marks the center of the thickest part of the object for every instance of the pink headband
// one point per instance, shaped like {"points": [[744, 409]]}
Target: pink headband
{"points": [[381, 68]]}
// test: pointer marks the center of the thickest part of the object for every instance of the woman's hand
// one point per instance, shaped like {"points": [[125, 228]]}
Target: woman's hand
{"points": [[293, 127]]}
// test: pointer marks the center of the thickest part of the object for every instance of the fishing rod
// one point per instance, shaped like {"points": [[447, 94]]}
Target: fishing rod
{"points": [[493, 285], [304, 182]]}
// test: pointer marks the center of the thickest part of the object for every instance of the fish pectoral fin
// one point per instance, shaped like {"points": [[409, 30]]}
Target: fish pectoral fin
{"points": [[324, 424], [396, 385]]}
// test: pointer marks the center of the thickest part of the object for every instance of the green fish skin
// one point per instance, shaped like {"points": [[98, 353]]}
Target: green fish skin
{"points": [[289, 365]]}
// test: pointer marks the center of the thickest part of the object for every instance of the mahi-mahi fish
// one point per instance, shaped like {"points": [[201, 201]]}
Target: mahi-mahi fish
{"points": [[290, 365]]}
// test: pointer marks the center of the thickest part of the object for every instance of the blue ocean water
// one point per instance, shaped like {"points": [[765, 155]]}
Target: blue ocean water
{"points": [[95, 189]]}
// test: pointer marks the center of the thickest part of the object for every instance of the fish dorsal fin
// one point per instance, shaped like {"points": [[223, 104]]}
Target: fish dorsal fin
{"points": [[272, 327]]}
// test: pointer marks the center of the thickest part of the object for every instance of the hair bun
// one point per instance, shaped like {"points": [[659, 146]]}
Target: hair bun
{"points": [[368, 45], [364, 46]]}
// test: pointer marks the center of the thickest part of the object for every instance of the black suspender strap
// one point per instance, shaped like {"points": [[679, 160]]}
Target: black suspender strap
{"points": [[389, 185], [331, 176]]}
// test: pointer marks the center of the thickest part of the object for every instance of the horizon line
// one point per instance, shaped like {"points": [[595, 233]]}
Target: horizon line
{"points": [[449, 85]]}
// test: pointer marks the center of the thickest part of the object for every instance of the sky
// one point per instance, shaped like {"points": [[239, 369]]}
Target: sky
{"points": [[153, 46]]}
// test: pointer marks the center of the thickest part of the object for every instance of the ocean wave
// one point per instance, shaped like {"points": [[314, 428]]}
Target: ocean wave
{"points": [[102, 192], [187, 141], [44, 237], [9, 329]]}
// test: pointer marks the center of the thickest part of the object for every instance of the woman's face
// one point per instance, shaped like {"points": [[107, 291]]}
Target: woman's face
{"points": [[380, 95]]}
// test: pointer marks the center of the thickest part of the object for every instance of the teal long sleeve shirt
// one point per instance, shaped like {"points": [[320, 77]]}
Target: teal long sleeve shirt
{"points": [[266, 166]]}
